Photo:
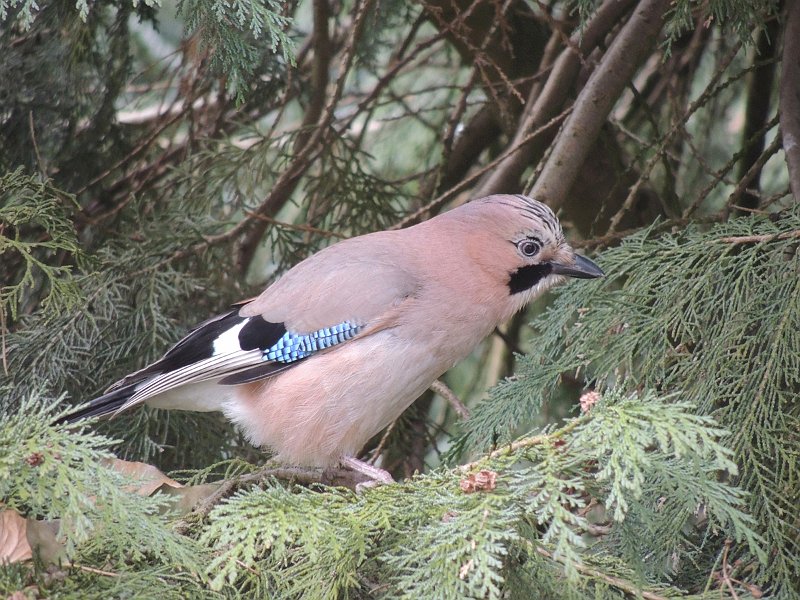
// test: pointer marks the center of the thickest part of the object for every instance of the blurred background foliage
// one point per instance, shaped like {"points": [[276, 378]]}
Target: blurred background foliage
{"points": [[160, 161]]}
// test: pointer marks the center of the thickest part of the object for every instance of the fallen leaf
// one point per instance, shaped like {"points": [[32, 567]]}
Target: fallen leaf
{"points": [[187, 497], [14, 546], [43, 538], [149, 479]]}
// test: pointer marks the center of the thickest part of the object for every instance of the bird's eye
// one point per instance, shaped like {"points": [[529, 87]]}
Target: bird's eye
{"points": [[528, 247]]}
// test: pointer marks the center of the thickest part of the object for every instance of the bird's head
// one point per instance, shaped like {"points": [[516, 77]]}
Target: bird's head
{"points": [[521, 242]]}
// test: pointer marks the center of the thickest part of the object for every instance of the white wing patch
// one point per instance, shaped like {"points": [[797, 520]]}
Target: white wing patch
{"points": [[228, 342]]}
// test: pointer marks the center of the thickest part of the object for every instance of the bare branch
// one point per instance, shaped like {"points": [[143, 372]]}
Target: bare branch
{"points": [[754, 171], [759, 95], [594, 103], [440, 387], [790, 96], [543, 105], [444, 198], [319, 72], [287, 182], [758, 239], [617, 582]]}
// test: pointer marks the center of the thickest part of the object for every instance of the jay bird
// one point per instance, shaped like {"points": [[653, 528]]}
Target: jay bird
{"points": [[345, 341]]}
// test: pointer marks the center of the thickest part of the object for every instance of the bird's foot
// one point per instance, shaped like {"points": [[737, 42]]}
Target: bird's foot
{"points": [[377, 476]]}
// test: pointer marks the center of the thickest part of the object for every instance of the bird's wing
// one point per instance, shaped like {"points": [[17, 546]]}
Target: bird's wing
{"points": [[348, 290], [357, 280]]}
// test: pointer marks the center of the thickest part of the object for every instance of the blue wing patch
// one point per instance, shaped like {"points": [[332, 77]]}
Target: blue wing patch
{"points": [[292, 347]]}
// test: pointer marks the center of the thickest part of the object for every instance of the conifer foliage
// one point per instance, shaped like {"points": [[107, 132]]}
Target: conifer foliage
{"points": [[160, 161]]}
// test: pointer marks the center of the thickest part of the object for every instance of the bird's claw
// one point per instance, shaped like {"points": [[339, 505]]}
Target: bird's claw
{"points": [[377, 476]]}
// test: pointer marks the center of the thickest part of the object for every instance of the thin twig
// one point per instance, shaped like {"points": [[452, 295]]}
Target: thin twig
{"points": [[711, 89], [727, 167], [382, 444], [619, 583], [595, 101], [295, 226], [396, 65], [286, 183], [440, 387], [142, 146], [305, 476], [444, 198], [3, 331], [543, 104], [758, 239], [481, 59], [754, 170], [39, 161], [726, 570], [528, 442], [95, 571]]}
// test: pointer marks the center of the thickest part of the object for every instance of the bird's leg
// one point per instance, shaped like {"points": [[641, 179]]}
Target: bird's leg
{"points": [[376, 474]]}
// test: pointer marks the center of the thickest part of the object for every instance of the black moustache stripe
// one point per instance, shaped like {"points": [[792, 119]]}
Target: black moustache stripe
{"points": [[528, 276]]}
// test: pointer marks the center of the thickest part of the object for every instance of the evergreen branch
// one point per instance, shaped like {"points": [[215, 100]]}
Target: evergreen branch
{"points": [[758, 239], [30, 208], [525, 444], [291, 475], [617, 582], [227, 32], [58, 472]]}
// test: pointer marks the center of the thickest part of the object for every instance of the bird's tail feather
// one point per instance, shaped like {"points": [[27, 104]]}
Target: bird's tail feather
{"points": [[102, 405]]}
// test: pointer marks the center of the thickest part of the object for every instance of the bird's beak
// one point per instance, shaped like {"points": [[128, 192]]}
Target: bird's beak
{"points": [[583, 268]]}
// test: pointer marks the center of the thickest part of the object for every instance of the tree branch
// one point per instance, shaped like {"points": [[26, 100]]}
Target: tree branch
{"points": [[596, 100], [287, 182], [543, 105], [759, 94], [320, 67], [790, 96], [621, 584], [441, 388]]}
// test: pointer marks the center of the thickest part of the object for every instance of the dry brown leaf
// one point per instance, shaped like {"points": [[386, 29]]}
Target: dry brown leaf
{"points": [[43, 538], [188, 497], [14, 546], [149, 478], [21, 537]]}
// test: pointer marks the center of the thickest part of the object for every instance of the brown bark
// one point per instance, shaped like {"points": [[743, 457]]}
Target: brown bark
{"points": [[790, 96], [545, 105], [595, 101], [253, 229], [512, 51], [759, 94]]}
